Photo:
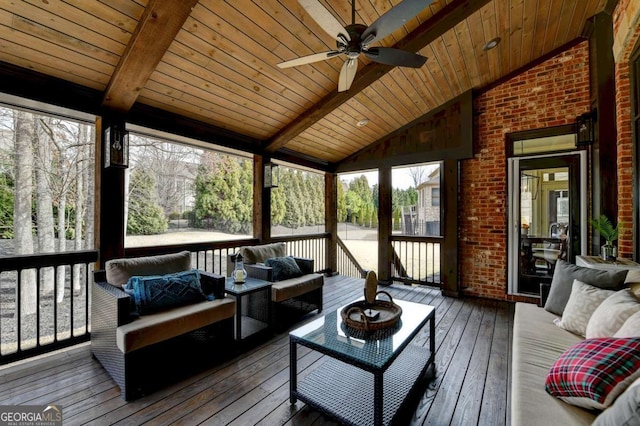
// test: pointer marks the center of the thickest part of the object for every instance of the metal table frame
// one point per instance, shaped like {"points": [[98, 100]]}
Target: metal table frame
{"points": [[394, 375], [258, 314]]}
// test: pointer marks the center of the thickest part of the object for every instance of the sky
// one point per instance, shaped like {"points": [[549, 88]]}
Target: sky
{"points": [[400, 177]]}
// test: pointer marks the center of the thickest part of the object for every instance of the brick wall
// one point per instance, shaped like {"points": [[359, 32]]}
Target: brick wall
{"points": [[550, 94]]}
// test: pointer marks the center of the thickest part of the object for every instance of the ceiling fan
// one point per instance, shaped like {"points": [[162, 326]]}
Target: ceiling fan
{"points": [[354, 39]]}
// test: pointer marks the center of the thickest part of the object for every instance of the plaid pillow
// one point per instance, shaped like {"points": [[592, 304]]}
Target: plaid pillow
{"points": [[592, 373]]}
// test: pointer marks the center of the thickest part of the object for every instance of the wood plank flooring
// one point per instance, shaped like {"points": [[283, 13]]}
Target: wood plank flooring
{"points": [[251, 387]]}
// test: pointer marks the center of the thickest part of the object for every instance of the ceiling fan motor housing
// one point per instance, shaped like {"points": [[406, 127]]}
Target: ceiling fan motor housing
{"points": [[354, 47]]}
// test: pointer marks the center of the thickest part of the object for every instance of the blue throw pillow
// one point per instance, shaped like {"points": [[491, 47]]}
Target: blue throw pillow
{"points": [[158, 292], [283, 267]]}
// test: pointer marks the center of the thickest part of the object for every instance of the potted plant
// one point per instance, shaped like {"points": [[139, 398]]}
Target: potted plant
{"points": [[610, 233]]}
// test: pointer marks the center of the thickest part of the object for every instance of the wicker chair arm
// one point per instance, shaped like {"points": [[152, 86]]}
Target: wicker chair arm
{"points": [[111, 303], [305, 265], [260, 272], [212, 284]]}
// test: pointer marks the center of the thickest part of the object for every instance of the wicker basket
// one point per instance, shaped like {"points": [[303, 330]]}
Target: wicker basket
{"points": [[379, 315]]}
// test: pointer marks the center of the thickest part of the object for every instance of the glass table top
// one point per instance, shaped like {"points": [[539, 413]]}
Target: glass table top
{"points": [[250, 284], [375, 350]]}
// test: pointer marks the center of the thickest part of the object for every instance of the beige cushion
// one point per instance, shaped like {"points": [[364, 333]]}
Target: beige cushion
{"points": [[612, 314], [583, 302], [630, 328], [120, 270], [258, 254], [154, 328], [293, 287], [537, 344]]}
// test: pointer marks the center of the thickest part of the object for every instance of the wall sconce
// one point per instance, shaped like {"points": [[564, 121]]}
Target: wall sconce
{"points": [[271, 175], [116, 146], [584, 130]]}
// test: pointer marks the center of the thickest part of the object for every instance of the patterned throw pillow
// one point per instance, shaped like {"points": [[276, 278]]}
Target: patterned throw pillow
{"points": [[592, 373], [283, 267], [609, 317], [584, 300], [158, 292]]}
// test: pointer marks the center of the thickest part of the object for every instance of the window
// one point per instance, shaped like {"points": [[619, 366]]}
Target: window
{"points": [[46, 182], [416, 199], [178, 192], [297, 204], [435, 197]]}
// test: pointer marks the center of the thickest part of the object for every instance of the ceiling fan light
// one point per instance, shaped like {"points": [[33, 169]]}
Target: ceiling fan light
{"points": [[492, 43]]}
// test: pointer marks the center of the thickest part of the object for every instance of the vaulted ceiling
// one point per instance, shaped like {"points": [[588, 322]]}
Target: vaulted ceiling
{"points": [[215, 61]]}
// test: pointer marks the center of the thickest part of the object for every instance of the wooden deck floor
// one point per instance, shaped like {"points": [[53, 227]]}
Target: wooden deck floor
{"points": [[471, 386]]}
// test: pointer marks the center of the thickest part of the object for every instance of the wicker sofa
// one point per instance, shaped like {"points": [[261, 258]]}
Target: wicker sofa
{"points": [[125, 343], [540, 343], [302, 293]]}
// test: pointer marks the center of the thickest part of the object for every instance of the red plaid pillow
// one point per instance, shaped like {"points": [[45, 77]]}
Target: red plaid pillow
{"points": [[592, 373]]}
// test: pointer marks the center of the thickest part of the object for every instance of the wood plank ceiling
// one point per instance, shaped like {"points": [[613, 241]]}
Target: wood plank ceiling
{"points": [[220, 67]]}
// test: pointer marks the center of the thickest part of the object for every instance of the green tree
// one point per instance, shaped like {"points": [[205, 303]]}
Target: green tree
{"points": [[341, 203], [6, 206], [353, 204], [293, 213], [146, 217]]}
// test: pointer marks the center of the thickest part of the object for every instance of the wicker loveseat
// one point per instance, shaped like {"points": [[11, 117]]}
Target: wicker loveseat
{"points": [[126, 343], [301, 293]]}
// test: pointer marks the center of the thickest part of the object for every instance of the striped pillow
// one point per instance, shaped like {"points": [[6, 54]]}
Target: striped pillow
{"points": [[592, 373]]}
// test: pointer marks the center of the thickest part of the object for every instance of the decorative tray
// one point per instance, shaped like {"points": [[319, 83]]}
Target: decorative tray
{"points": [[378, 315]]}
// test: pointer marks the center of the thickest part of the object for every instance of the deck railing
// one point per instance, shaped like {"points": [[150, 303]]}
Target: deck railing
{"points": [[347, 263], [416, 260], [312, 246], [44, 302]]}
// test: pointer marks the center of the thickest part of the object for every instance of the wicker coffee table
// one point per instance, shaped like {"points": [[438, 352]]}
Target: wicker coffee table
{"points": [[366, 377]]}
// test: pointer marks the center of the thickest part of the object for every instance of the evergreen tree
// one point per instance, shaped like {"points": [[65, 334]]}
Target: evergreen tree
{"points": [[341, 203], [146, 217]]}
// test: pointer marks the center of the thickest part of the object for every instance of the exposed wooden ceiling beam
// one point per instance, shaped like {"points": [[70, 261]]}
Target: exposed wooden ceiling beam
{"points": [[428, 31], [159, 25]]}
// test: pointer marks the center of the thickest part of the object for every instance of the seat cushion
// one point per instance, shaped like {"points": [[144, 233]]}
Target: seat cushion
{"points": [[537, 344], [150, 329], [294, 287], [119, 271]]}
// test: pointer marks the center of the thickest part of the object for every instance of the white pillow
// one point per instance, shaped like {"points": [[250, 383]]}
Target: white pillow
{"points": [[630, 328], [612, 314], [583, 301]]}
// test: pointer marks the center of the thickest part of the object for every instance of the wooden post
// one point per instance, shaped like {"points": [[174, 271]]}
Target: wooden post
{"points": [[603, 106], [385, 222], [449, 249], [261, 202], [331, 220], [109, 203]]}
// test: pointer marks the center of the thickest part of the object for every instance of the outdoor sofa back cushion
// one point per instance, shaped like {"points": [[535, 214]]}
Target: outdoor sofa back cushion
{"points": [[260, 253], [564, 275], [120, 270], [160, 292]]}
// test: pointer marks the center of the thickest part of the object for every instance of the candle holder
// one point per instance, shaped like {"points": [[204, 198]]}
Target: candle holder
{"points": [[239, 273]]}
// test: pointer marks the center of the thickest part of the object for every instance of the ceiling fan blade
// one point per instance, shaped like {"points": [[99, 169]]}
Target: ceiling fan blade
{"points": [[316, 57], [396, 57], [347, 74], [393, 19], [325, 19]]}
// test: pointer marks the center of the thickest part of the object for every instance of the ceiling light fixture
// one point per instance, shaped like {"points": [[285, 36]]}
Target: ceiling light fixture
{"points": [[491, 43], [363, 122]]}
